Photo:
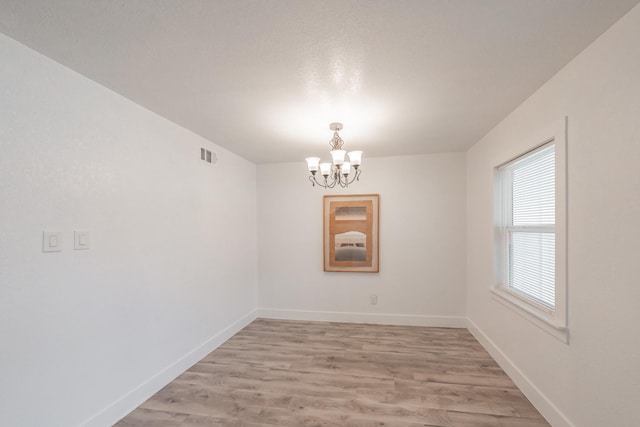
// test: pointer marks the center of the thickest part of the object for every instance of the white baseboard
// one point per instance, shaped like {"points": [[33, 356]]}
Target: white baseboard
{"points": [[374, 318], [132, 399], [548, 410]]}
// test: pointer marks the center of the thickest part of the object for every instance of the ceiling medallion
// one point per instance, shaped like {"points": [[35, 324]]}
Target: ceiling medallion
{"points": [[338, 172]]}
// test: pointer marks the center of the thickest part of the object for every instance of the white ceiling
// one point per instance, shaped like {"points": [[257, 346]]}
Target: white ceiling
{"points": [[264, 78]]}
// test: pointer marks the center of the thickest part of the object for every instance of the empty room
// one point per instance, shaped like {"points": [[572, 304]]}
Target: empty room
{"points": [[319, 213]]}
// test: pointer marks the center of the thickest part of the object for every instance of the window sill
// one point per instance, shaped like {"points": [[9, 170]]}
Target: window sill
{"points": [[538, 317]]}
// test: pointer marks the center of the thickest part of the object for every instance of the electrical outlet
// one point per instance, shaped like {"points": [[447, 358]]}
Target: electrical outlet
{"points": [[373, 299]]}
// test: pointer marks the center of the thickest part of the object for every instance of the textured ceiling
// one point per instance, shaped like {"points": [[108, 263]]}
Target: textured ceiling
{"points": [[264, 78]]}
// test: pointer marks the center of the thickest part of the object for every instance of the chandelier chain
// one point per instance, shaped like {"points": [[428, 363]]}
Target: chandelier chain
{"points": [[336, 142]]}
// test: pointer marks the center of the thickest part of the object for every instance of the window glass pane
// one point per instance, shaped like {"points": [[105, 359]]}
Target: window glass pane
{"points": [[533, 192], [532, 265]]}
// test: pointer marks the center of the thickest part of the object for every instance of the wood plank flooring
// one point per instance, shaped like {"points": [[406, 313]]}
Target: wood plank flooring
{"points": [[292, 373]]}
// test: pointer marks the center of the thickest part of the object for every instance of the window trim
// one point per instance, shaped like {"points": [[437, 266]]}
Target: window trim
{"points": [[553, 320]]}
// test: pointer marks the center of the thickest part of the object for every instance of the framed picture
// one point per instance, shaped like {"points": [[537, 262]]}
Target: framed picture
{"points": [[351, 233]]}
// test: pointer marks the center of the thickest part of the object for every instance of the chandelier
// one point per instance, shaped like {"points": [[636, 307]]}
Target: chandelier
{"points": [[338, 172]]}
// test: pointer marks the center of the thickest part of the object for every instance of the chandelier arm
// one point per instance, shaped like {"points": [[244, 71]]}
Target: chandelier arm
{"points": [[356, 176], [314, 181], [337, 178], [333, 182]]}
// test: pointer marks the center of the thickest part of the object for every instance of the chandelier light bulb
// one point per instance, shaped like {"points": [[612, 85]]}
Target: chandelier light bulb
{"points": [[325, 169], [345, 168], [355, 157], [338, 157], [312, 164]]}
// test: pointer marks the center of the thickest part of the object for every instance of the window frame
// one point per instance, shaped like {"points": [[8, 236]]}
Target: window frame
{"points": [[552, 320]]}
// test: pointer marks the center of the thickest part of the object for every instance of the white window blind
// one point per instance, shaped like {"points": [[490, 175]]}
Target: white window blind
{"points": [[529, 216]]}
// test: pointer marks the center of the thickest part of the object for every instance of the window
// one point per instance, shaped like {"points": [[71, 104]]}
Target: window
{"points": [[529, 209], [530, 233]]}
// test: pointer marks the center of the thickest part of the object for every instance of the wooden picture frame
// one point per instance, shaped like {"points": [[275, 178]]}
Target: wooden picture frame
{"points": [[351, 233]]}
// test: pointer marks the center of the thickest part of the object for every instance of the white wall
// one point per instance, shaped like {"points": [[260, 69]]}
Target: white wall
{"points": [[172, 267], [595, 380], [422, 244]]}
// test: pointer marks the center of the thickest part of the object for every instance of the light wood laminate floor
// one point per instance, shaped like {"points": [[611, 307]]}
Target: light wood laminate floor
{"points": [[292, 373]]}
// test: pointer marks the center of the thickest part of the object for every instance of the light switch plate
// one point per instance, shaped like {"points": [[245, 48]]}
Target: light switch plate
{"points": [[81, 239], [51, 241]]}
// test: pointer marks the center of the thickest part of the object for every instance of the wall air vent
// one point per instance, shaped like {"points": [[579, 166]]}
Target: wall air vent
{"points": [[208, 156]]}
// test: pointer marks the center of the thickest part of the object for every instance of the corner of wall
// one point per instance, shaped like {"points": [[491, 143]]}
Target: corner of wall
{"points": [[118, 409], [542, 403]]}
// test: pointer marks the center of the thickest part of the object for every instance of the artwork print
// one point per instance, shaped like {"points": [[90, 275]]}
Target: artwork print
{"points": [[351, 233]]}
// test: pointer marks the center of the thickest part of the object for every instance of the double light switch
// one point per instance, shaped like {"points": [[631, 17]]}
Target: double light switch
{"points": [[52, 240]]}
